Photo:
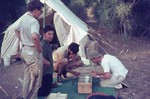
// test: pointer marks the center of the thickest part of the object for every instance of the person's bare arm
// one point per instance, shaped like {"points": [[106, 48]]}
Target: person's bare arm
{"points": [[18, 34], [36, 41], [106, 75]]}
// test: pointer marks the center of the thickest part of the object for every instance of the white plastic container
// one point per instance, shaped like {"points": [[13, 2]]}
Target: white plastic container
{"points": [[7, 61], [87, 79], [57, 96]]}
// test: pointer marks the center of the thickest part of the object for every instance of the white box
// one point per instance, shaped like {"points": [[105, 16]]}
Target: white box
{"points": [[57, 96]]}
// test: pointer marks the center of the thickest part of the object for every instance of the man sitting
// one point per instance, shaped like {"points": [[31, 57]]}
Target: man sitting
{"points": [[114, 71], [65, 59]]}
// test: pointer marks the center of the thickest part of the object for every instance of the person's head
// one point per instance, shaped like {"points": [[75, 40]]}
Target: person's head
{"points": [[35, 7], [48, 33], [73, 48], [95, 56]]}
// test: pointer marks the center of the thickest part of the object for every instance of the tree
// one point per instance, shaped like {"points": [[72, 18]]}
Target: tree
{"points": [[10, 11], [125, 17]]}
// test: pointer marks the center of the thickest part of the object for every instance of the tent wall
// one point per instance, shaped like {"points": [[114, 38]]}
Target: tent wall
{"points": [[76, 30]]}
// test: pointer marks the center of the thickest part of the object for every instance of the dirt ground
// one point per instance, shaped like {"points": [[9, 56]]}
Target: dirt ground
{"points": [[133, 52]]}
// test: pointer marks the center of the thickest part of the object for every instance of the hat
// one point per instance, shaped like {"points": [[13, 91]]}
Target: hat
{"points": [[94, 54]]}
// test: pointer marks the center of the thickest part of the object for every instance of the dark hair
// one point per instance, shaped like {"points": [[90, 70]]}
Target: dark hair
{"points": [[35, 4], [74, 47], [48, 28]]}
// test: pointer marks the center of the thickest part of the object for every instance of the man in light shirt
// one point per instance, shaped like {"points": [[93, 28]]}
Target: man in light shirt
{"points": [[65, 59], [28, 33], [114, 72]]}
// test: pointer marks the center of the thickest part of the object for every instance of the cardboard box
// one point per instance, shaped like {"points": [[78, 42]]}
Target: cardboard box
{"points": [[84, 87], [57, 96]]}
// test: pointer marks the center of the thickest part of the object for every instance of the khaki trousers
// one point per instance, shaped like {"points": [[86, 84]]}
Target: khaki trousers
{"points": [[33, 67], [112, 82]]}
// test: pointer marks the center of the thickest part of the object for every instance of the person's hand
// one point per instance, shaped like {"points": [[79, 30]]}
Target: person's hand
{"points": [[39, 49], [72, 57], [93, 74]]}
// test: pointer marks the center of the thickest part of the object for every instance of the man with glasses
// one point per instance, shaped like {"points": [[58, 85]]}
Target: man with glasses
{"points": [[28, 33]]}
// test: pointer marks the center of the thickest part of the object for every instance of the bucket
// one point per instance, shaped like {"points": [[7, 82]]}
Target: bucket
{"points": [[7, 61]]}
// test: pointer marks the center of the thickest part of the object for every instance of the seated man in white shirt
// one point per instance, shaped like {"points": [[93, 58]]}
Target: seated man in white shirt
{"points": [[114, 71]]}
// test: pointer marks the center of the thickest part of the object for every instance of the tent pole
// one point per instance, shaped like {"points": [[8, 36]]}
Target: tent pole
{"points": [[44, 17], [98, 43]]}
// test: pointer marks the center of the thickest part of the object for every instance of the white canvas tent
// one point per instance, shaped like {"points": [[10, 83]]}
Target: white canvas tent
{"points": [[77, 28], [76, 32]]}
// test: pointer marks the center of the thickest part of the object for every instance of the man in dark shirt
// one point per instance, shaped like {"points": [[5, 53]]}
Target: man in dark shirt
{"points": [[48, 33]]}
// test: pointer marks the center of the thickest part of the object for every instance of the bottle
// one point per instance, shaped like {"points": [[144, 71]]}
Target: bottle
{"points": [[87, 79]]}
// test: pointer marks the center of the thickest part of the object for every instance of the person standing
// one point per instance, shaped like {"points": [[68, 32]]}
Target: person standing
{"points": [[114, 72], [28, 33], [48, 34]]}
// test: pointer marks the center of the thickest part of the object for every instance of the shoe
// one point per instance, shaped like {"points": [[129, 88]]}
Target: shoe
{"points": [[119, 86], [124, 85], [59, 80], [59, 83]]}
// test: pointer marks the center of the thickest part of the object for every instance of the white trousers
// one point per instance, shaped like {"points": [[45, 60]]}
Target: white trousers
{"points": [[112, 82], [33, 67]]}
